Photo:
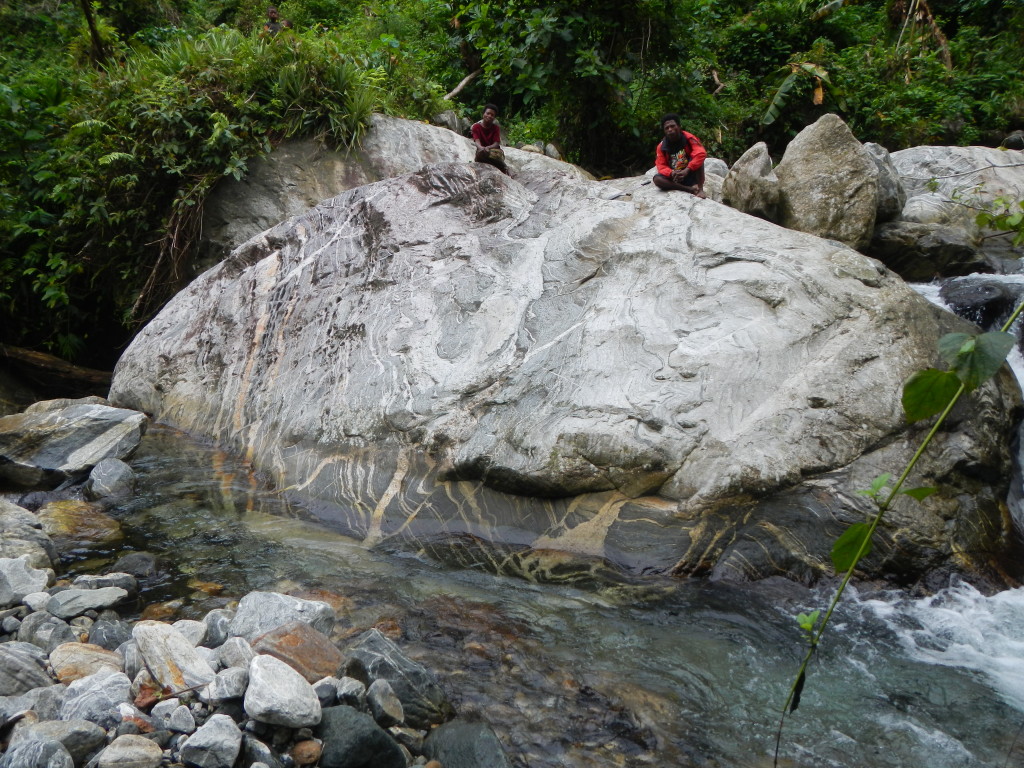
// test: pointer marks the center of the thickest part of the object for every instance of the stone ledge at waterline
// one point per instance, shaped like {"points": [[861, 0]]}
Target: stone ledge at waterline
{"points": [[691, 388]]}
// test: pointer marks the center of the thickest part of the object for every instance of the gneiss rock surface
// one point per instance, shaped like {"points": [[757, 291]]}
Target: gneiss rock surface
{"points": [[45, 447], [300, 174], [457, 325], [948, 185], [21, 534]]}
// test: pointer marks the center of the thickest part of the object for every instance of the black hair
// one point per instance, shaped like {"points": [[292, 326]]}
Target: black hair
{"points": [[671, 116], [492, 106]]}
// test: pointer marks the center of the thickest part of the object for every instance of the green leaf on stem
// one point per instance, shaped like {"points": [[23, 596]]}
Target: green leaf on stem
{"points": [[876, 485], [981, 361], [952, 345], [928, 392], [920, 493], [844, 551], [807, 620]]}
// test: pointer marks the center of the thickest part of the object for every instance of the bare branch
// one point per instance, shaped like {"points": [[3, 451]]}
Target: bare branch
{"points": [[465, 81]]}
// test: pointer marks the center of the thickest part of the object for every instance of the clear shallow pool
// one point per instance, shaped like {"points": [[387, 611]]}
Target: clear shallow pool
{"points": [[675, 673]]}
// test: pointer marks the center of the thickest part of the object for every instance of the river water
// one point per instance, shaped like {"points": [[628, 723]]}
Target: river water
{"points": [[672, 673], [679, 673]]}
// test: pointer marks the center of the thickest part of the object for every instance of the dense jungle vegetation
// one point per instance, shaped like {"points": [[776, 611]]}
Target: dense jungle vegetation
{"points": [[119, 116]]}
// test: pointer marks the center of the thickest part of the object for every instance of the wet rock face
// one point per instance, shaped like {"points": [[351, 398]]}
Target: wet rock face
{"points": [[531, 336], [920, 252], [986, 303], [42, 448]]}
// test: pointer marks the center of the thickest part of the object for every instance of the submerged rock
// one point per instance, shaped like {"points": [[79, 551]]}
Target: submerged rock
{"points": [[353, 740], [422, 700], [459, 744]]}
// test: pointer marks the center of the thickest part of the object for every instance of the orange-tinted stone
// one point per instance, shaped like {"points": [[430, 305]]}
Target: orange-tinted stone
{"points": [[303, 648]]}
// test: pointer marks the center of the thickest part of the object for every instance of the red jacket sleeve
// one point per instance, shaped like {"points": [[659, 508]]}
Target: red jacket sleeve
{"points": [[697, 152], [661, 162]]}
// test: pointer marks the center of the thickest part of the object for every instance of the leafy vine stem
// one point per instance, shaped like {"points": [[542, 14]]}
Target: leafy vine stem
{"points": [[973, 359]]}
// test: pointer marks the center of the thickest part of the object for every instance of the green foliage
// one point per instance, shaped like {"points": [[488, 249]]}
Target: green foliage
{"points": [[104, 172], [408, 49], [1005, 215], [792, 74], [975, 358], [118, 164], [972, 360], [854, 544], [928, 392], [808, 620], [591, 59]]}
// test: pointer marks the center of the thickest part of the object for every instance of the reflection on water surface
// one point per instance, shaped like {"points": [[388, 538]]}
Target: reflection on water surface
{"points": [[603, 672]]}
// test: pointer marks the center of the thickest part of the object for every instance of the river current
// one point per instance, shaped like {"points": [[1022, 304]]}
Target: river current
{"points": [[678, 673]]}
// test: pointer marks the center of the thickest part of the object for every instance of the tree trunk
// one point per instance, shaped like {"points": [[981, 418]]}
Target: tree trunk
{"points": [[97, 44]]}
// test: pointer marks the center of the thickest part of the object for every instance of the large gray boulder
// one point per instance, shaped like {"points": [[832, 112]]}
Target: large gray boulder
{"points": [[828, 184], [751, 185], [965, 173], [44, 448], [406, 349], [891, 194], [921, 252], [300, 174], [937, 209], [948, 185]]}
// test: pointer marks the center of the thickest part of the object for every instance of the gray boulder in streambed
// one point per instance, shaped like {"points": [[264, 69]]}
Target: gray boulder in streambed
{"points": [[423, 702], [416, 356], [42, 448], [460, 744], [828, 184], [353, 740]]}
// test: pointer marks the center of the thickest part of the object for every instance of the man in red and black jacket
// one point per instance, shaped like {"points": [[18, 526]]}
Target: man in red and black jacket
{"points": [[679, 159]]}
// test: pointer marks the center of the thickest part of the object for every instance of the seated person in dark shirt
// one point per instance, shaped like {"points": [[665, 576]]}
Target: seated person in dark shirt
{"points": [[487, 136], [679, 159]]}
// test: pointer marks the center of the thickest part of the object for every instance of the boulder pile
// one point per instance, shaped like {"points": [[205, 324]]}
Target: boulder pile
{"points": [[263, 684], [273, 681]]}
